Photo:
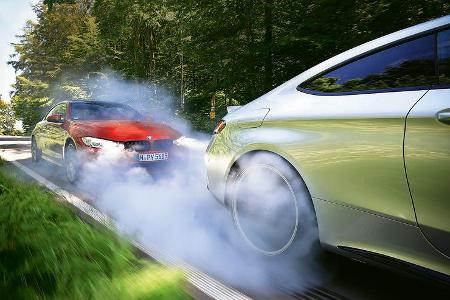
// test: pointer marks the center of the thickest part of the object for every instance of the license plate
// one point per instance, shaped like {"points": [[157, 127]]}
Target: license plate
{"points": [[153, 156]]}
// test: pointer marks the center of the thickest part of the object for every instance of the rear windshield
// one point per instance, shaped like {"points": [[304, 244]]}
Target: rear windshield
{"points": [[103, 111]]}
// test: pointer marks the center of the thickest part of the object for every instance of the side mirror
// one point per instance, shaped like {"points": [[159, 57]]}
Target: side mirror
{"points": [[56, 118], [230, 109]]}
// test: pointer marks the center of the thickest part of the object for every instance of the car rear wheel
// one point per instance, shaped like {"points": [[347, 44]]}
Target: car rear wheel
{"points": [[271, 205], [35, 151], [71, 164]]}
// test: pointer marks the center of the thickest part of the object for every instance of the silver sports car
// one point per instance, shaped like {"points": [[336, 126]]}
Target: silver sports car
{"points": [[354, 151]]}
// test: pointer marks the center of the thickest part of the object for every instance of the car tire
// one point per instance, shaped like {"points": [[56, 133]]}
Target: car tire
{"points": [[271, 205], [36, 153], [71, 163]]}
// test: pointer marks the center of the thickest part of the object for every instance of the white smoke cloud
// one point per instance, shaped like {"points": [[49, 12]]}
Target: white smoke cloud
{"points": [[175, 214]]}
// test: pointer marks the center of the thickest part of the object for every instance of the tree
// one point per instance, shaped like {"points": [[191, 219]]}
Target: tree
{"points": [[268, 40], [195, 52], [54, 58], [7, 118]]}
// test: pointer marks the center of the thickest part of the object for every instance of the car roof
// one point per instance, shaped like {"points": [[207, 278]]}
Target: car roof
{"points": [[366, 48], [94, 102]]}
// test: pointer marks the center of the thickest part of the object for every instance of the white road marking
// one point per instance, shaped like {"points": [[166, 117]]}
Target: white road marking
{"points": [[15, 143], [209, 286]]}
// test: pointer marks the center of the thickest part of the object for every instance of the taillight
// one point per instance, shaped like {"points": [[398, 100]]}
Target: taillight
{"points": [[220, 126]]}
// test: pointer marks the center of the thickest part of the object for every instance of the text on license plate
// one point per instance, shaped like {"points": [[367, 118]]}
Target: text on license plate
{"points": [[153, 156]]}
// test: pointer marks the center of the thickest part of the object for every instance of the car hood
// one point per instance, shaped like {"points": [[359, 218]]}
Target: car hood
{"points": [[122, 131]]}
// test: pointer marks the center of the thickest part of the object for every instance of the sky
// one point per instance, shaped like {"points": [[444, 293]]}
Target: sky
{"points": [[13, 15]]}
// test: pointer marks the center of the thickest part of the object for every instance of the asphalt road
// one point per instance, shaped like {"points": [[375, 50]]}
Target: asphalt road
{"points": [[345, 278]]}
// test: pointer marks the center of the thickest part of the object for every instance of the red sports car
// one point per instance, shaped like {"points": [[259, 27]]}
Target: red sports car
{"points": [[94, 126]]}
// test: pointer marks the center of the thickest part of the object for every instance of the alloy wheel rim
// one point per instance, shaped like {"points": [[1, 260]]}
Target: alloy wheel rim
{"points": [[292, 199]]}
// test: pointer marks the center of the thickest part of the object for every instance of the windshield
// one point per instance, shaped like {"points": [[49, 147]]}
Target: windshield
{"points": [[103, 111]]}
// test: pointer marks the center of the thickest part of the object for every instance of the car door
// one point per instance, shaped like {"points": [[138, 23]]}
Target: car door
{"points": [[56, 133], [39, 134], [43, 131], [351, 121], [427, 154]]}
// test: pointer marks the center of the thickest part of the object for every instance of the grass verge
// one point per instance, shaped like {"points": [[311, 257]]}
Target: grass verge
{"points": [[46, 252]]}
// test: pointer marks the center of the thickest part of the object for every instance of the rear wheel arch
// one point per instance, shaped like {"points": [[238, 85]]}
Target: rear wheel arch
{"points": [[235, 167]]}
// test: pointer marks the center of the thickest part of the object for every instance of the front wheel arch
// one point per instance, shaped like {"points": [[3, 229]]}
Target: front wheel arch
{"points": [[68, 141], [36, 153]]}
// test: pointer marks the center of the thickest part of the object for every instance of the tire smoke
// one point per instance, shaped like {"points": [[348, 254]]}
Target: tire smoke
{"points": [[174, 213]]}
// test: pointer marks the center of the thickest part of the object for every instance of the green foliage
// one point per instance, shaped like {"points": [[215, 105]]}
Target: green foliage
{"points": [[195, 49], [7, 119], [47, 252], [53, 60], [30, 101], [241, 48]]}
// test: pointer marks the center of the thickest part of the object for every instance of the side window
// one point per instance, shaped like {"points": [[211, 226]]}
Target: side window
{"points": [[59, 109], [411, 64], [444, 56]]}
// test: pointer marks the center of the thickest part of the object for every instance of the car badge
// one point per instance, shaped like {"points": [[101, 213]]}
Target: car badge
{"points": [[149, 137]]}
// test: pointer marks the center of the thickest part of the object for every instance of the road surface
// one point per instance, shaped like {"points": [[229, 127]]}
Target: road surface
{"points": [[344, 278]]}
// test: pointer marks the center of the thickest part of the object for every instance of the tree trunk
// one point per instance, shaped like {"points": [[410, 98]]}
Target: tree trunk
{"points": [[268, 40], [182, 72]]}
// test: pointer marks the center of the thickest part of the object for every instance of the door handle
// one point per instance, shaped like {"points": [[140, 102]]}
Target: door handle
{"points": [[444, 116]]}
